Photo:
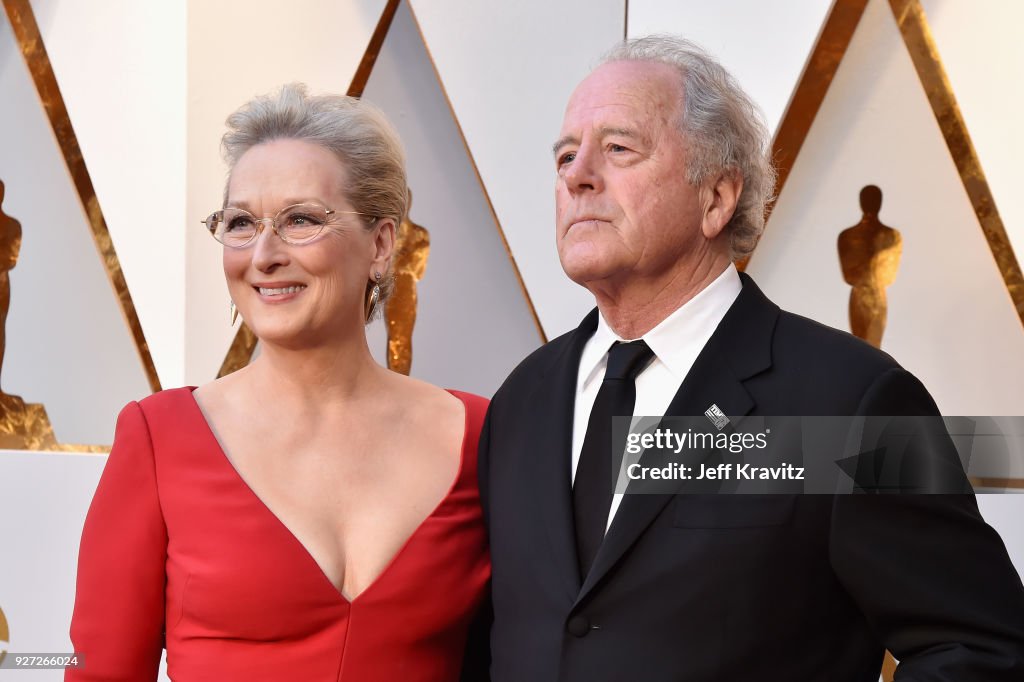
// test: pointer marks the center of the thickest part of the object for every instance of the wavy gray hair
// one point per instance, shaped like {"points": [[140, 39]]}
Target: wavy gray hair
{"points": [[355, 131], [723, 127]]}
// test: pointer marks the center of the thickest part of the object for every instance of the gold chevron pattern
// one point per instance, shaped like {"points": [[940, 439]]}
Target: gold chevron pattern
{"points": [[808, 94]]}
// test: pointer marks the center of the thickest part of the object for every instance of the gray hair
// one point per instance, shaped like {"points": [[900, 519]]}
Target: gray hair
{"points": [[723, 127], [355, 131]]}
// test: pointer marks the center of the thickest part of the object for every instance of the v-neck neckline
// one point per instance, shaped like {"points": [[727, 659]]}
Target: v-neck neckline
{"points": [[338, 591]]}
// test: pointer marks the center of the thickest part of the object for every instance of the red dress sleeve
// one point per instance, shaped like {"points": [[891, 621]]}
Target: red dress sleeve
{"points": [[118, 621]]}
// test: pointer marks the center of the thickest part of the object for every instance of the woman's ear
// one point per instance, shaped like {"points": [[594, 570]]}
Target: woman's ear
{"points": [[383, 245]]}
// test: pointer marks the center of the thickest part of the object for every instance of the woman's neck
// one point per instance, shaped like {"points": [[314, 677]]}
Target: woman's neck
{"points": [[334, 373]]}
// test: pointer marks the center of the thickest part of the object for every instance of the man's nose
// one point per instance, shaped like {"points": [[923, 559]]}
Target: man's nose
{"points": [[584, 172]]}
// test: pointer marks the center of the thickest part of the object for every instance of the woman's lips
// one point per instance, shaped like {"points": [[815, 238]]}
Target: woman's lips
{"points": [[274, 292]]}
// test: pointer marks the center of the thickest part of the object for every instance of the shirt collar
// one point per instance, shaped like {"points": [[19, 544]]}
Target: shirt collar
{"points": [[677, 339]]}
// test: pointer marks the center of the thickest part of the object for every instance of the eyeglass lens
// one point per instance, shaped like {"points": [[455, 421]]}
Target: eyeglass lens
{"points": [[295, 224]]}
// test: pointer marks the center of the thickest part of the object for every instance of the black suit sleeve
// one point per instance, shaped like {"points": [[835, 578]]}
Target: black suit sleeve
{"points": [[931, 577], [476, 661], [483, 466]]}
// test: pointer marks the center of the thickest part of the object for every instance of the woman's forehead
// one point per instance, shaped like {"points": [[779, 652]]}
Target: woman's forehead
{"points": [[284, 170]]}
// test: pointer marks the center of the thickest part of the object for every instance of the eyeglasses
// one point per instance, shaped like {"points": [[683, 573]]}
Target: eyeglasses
{"points": [[298, 224]]}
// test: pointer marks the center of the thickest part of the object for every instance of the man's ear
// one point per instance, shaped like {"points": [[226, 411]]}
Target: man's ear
{"points": [[384, 246], [720, 198]]}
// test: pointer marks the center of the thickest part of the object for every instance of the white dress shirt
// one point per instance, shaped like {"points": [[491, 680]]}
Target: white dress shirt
{"points": [[676, 341]]}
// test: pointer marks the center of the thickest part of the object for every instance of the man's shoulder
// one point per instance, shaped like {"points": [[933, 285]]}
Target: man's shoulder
{"points": [[823, 370], [757, 328], [818, 345], [538, 365]]}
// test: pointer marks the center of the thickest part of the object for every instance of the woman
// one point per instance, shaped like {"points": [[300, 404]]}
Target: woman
{"points": [[312, 516]]}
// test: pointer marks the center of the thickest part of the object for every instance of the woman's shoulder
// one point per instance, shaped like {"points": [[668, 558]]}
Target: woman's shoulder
{"points": [[167, 417], [431, 404], [433, 398], [475, 407], [475, 404], [170, 401]]}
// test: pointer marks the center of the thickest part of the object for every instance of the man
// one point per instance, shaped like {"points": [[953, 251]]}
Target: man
{"points": [[662, 181]]}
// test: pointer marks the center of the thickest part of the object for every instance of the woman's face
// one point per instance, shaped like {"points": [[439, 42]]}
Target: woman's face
{"points": [[310, 294]]}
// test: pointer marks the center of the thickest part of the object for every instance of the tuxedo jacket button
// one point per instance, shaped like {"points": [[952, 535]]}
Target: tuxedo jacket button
{"points": [[579, 626]]}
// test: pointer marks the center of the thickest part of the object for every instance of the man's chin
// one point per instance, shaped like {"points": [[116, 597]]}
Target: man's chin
{"points": [[586, 275], [583, 262], [577, 272]]}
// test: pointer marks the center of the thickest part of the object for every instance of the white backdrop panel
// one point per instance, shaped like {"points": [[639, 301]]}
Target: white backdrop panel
{"points": [[509, 68], [763, 44], [951, 321], [981, 49], [120, 65], [473, 325], [238, 49], [68, 346], [1004, 512], [45, 497]]}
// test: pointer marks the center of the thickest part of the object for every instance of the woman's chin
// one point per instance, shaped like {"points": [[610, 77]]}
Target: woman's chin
{"points": [[284, 334], [298, 335]]}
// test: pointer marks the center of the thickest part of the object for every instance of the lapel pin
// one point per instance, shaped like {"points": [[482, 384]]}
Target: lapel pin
{"points": [[717, 417]]}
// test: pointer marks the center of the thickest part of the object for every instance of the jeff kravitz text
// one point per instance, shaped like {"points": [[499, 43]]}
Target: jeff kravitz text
{"points": [[720, 472]]}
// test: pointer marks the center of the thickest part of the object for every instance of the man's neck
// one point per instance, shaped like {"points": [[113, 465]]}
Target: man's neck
{"points": [[637, 307]]}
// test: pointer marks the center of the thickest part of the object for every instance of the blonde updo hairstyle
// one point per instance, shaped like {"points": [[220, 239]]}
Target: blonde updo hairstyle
{"points": [[355, 131]]}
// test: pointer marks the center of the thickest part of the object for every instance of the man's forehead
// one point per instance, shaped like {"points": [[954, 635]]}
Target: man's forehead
{"points": [[632, 78], [636, 96], [621, 88]]}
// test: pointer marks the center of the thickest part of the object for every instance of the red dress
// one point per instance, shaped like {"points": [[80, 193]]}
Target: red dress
{"points": [[176, 542]]}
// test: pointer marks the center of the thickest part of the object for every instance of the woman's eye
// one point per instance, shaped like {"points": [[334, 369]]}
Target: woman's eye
{"points": [[302, 219]]}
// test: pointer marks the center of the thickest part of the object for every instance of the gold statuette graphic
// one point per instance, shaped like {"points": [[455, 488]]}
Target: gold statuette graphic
{"points": [[23, 426], [5, 636], [869, 253], [412, 249]]}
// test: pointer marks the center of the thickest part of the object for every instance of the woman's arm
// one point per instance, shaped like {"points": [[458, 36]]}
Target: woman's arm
{"points": [[118, 622]]}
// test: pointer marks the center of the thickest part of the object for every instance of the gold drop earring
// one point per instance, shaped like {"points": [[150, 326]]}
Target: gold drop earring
{"points": [[371, 304]]}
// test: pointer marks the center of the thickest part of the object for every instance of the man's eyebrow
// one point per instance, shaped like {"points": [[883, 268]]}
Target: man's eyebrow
{"points": [[602, 133], [563, 141], [622, 132]]}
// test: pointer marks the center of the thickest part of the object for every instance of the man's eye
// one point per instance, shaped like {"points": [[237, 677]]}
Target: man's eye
{"points": [[568, 157], [617, 148], [239, 223]]}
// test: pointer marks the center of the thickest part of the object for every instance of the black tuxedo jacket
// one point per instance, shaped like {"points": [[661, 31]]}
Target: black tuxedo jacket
{"points": [[738, 588]]}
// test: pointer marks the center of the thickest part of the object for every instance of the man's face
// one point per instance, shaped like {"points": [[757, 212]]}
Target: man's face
{"points": [[624, 210]]}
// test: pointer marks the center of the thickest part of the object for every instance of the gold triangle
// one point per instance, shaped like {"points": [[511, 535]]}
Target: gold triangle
{"points": [[917, 36], [810, 91], [33, 430], [26, 31]]}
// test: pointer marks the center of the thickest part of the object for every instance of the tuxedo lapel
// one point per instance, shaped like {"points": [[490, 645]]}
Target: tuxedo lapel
{"points": [[739, 349], [553, 404]]}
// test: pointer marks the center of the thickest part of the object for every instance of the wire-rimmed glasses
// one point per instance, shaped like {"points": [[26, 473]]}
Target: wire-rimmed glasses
{"points": [[297, 225]]}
